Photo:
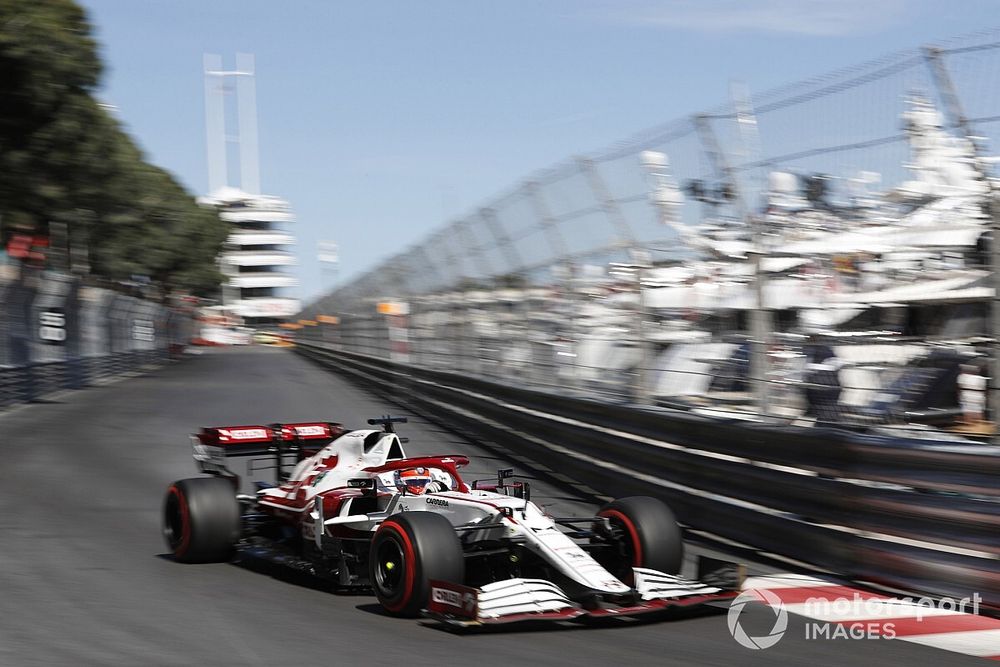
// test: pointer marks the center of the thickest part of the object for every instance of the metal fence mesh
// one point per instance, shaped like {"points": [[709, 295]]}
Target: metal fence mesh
{"points": [[507, 290]]}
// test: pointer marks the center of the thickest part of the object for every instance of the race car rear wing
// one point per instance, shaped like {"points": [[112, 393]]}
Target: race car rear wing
{"points": [[213, 445]]}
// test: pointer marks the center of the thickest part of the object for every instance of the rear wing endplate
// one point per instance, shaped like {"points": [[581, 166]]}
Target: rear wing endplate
{"points": [[213, 445]]}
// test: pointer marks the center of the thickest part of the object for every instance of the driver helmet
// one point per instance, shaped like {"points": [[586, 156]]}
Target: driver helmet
{"points": [[413, 480]]}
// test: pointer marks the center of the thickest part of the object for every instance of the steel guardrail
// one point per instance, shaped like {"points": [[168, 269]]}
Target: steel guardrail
{"points": [[33, 382], [821, 496]]}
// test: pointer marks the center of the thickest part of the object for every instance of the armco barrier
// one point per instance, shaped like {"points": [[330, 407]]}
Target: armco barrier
{"points": [[915, 514], [57, 334], [31, 382]]}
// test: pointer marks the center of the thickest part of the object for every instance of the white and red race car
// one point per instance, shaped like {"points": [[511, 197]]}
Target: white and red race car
{"points": [[351, 507]]}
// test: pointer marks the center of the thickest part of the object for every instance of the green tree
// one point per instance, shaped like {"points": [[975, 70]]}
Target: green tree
{"points": [[64, 157]]}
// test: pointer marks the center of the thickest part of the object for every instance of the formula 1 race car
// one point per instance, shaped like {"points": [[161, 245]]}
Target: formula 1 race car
{"points": [[352, 508]]}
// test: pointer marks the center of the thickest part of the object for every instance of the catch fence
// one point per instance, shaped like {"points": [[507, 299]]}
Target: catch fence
{"points": [[575, 278]]}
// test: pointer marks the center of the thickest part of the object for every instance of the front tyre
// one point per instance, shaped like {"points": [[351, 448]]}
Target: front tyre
{"points": [[644, 533], [201, 519], [408, 551]]}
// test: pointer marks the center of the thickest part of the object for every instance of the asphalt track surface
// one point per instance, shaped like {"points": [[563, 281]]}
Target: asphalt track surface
{"points": [[84, 579]]}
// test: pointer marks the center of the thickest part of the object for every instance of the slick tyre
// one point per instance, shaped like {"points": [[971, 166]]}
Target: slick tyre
{"points": [[201, 520], [408, 551], [644, 533]]}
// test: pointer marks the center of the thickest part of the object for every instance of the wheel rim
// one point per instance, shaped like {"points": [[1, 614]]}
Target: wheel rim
{"points": [[390, 567], [173, 522], [621, 552]]}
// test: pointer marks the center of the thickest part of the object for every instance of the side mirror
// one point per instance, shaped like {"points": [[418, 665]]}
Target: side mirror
{"points": [[365, 484], [520, 490]]}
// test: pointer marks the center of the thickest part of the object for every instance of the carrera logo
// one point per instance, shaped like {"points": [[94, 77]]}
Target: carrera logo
{"points": [[437, 501], [243, 433]]}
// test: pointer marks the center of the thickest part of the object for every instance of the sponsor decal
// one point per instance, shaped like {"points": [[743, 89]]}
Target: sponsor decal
{"points": [[243, 433], [444, 596], [143, 330], [52, 326], [453, 599], [305, 431], [571, 552], [436, 501]]}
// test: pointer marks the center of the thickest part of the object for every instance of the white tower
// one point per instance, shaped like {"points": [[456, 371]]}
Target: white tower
{"points": [[256, 253]]}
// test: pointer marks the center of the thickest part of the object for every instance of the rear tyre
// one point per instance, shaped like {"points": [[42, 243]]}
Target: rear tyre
{"points": [[407, 552], [644, 533], [201, 519]]}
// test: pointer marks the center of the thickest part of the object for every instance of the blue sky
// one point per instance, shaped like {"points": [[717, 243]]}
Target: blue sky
{"points": [[381, 120]]}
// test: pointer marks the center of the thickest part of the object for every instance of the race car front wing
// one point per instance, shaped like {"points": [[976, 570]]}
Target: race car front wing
{"points": [[525, 600]]}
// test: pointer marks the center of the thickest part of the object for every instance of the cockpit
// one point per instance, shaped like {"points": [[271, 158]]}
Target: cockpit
{"points": [[417, 480]]}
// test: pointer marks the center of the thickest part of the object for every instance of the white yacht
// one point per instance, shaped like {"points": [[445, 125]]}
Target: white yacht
{"points": [[873, 277]]}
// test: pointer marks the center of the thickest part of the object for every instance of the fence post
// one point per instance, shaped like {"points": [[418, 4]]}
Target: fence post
{"points": [[760, 320], [607, 202], [953, 105], [510, 253]]}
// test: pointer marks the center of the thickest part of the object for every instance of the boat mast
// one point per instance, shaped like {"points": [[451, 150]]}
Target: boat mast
{"points": [[760, 325], [953, 108]]}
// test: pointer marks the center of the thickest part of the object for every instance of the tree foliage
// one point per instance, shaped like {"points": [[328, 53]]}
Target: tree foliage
{"points": [[64, 157]]}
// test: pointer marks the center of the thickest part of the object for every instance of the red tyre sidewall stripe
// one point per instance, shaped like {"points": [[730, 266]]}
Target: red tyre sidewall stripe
{"points": [[411, 565], [633, 534], [185, 521]]}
